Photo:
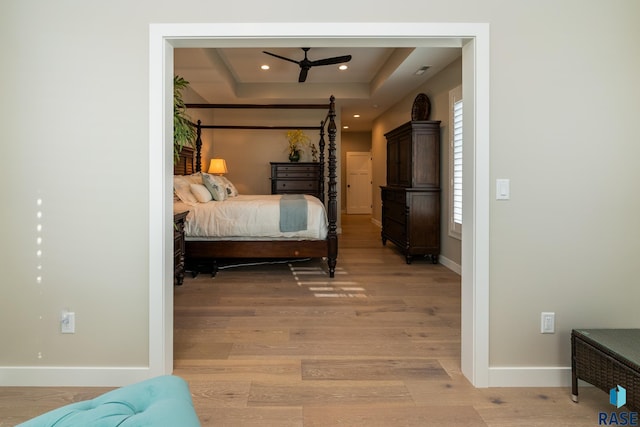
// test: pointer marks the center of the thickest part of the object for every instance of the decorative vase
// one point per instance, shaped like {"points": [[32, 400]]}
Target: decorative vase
{"points": [[294, 156]]}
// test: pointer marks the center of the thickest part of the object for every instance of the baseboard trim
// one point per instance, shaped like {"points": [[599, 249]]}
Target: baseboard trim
{"points": [[528, 376], [52, 376], [456, 268]]}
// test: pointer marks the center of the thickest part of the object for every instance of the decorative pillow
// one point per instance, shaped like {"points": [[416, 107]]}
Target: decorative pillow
{"points": [[201, 193], [230, 188], [194, 178], [215, 186], [181, 187]]}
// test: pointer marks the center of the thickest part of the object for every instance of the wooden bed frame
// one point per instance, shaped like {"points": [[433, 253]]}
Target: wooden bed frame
{"points": [[197, 251]]}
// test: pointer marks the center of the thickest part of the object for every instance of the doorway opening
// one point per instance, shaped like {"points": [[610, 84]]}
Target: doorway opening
{"points": [[474, 41]]}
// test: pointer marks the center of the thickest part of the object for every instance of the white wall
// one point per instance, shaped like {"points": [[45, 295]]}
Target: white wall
{"points": [[75, 123]]}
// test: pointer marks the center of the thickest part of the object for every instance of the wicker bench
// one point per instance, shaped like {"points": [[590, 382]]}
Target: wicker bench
{"points": [[607, 358]]}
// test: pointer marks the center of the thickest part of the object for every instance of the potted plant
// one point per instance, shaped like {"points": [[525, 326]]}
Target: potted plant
{"points": [[297, 139], [184, 132]]}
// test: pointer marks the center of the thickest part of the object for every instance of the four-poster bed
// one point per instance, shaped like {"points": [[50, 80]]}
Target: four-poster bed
{"points": [[323, 245]]}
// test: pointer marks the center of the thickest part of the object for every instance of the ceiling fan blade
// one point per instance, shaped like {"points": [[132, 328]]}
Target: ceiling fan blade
{"points": [[281, 57], [331, 61], [303, 74]]}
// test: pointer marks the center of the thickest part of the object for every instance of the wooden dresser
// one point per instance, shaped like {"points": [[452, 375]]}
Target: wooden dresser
{"points": [[178, 247], [295, 178], [411, 198]]}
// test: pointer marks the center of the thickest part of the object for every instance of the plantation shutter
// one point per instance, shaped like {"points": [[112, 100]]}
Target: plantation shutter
{"points": [[457, 162]]}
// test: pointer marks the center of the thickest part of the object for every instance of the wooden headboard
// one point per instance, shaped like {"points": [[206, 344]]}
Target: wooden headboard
{"points": [[184, 165]]}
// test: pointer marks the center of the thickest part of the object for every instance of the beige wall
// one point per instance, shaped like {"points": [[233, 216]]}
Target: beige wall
{"points": [[75, 121], [249, 152]]}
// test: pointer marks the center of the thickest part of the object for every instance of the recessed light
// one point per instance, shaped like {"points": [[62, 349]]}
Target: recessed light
{"points": [[264, 67], [345, 127], [343, 67], [356, 115], [420, 71]]}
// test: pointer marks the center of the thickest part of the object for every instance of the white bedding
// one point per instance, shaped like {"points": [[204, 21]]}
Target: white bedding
{"points": [[248, 216]]}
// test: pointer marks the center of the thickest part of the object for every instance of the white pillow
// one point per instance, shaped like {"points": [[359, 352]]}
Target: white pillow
{"points": [[215, 186], [201, 193], [194, 178], [230, 188], [181, 187]]}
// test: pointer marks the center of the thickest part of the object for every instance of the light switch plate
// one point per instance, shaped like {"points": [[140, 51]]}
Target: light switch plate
{"points": [[503, 192]]}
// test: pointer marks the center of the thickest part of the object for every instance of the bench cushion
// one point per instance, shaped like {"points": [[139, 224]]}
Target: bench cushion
{"points": [[160, 401]]}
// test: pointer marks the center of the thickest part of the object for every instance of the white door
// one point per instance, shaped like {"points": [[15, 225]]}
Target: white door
{"points": [[359, 182]]}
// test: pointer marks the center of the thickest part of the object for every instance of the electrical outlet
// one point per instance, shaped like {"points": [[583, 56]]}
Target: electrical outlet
{"points": [[68, 322], [547, 323]]}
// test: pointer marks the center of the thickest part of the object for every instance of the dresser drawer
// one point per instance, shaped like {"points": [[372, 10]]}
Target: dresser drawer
{"points": [[394, 231], [293, 186], [394, 205], [395, 195], [311, 175], [297, 168], [295, 171], [395, 211]]}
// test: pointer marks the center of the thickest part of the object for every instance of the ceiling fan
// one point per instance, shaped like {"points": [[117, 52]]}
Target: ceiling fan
{"points": [[306, 64]]}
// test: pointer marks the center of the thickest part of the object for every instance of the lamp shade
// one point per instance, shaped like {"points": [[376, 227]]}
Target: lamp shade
{"points": [[218, 166]]}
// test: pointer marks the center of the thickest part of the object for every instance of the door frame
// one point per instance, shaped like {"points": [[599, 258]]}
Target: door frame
{"points": [[473, 38]]}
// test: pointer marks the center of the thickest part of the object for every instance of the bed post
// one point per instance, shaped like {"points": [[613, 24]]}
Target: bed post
{"points": [[321, 159], [332, 207], [198, 146]]}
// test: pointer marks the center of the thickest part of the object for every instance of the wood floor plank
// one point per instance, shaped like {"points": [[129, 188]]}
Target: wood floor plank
{"points": [[390, 320], [18, 404], [239, 370], [322, 393], [342, 349], [219, 394], [372, 369], [229, 335], [417, 416], [338, 333], [253, 417], [197, 350]]}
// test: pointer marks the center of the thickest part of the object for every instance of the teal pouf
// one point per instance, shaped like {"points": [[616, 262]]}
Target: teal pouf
{"points": [[161, 401]]}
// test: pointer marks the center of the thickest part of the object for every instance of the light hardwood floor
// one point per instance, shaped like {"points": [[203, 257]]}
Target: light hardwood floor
{"points": [[379, 345]]}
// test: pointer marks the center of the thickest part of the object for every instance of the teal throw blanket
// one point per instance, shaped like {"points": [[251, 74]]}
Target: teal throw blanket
{"points": [[293, 212]]}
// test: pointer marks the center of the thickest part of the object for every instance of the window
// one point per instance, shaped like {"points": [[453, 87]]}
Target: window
{"points": [[455, 163]]}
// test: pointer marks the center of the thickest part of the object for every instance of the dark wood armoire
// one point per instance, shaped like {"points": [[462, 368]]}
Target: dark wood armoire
{"points": [[411, 198]]}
